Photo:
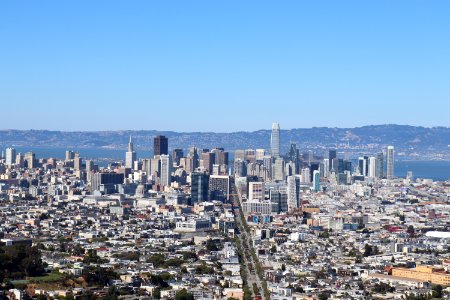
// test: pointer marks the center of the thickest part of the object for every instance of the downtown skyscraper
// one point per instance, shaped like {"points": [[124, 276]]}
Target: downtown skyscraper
{"points": [[390, 162], [130, 155], [275, 141]]}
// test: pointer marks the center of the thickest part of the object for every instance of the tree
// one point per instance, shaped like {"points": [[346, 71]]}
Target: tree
{"points": [[184, 295], [78, 250], [437, 291], [112, 294], [410, 230], [211, 246], [273, 249]]}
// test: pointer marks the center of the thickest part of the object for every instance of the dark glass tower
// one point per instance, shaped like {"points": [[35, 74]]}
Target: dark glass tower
{"points": [[160, 145]]}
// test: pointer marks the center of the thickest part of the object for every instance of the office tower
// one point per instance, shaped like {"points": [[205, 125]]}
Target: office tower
{"points": [[372, 167], [130, 155], [316, 180], [366, 161], [199, 187], [267, 162], [239, 155], [279, 200], [70, 155], [293, 192], [390, 162], [221, 156], [208, 160], [240, 168], [275, 141], [256, 191], [160, 145], [193, 156], [155, 167], [313, 167], [146, 165], [326, 168], [347, 165], [177, 154], [219, 187], [19, 160], [278, 169], [137, 165], [111, 178], [306, 175], [10, 158], [89, 169], [362, 166], [379, 172], [77, 162], [294, 156], [166, 169], [250, 155], [259, 154], [332, 154], [30, 160]]}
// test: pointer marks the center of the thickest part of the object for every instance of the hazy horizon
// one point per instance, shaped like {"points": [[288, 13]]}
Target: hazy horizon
{"points": [[180, 131]]}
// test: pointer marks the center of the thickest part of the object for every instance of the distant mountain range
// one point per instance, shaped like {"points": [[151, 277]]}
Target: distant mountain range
{"points": [[408, 138]]}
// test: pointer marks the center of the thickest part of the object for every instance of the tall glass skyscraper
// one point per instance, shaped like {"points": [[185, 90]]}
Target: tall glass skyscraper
{"points": [[275, 141], [390, 162]]}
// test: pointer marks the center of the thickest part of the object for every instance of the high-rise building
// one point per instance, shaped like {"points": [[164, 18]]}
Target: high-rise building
{"points": [[293, 192], [259, 154], [326, 167], [278, 173], [160, 145], [316, 180], [10, 158], [19, 160], [77, 162], [294, 156], [390, 162], [219, 187], [279, 200], [70, 155], [177, 154], [105, 178], [275, 141], [89, 169], [240, 168], [130, 155], [379, 172], [331, 157], [193, 156], [256, 190], [362, 166], [30, 160], [306, 175], [208, 160], [199, 187], [166, 169], [372, 167]]}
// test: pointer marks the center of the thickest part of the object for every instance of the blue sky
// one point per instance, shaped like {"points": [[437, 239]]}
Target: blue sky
{"points": [[223, 65]]}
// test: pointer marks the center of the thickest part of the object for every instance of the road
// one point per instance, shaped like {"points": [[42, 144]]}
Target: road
{"points": [[245, 241]]}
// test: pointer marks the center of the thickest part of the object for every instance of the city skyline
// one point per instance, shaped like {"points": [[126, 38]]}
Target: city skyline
{"points": [[281, 62], [182, 150]]}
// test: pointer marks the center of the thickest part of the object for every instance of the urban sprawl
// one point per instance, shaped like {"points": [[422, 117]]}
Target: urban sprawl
{"points": [[203, 224]]}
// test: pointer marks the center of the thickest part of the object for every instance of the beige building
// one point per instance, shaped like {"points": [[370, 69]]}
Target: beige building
{"points": [[431, 274]]}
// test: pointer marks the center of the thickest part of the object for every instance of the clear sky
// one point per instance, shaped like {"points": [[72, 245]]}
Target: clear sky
{"points": [[223, 65]]}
